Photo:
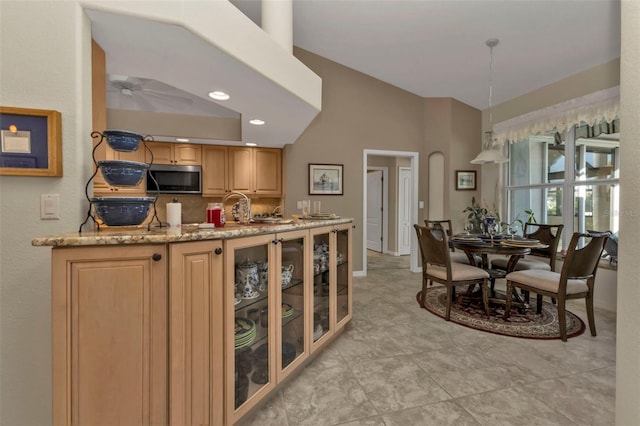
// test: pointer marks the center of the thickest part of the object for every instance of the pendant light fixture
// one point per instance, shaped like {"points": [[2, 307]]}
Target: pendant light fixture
{"points": [[490, 153]]}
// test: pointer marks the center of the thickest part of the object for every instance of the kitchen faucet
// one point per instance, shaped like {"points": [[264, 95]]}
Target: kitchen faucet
{"points": [[245, 214]]}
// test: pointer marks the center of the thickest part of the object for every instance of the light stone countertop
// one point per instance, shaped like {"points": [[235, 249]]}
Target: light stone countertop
{"points": [[118, 235]]}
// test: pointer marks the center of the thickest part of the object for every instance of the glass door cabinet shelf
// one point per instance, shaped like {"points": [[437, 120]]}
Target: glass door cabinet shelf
{"points": [[332, 279], [294, 321], [249, 337], [267, 286]]}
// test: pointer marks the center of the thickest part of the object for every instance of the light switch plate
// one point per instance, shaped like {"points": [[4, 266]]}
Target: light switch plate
{"points": [[421, 204], [49, 206], [299, 205]]}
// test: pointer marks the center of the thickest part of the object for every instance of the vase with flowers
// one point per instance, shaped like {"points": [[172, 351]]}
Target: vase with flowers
{"points": [[480, 217]]}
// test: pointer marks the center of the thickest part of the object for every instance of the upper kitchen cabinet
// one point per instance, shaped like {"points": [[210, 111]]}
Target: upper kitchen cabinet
{"points": [[214, 170], [174, 153], [255, 171]]}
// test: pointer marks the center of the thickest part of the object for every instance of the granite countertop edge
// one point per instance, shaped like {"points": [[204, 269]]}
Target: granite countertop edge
{"points": [[140, 235]]}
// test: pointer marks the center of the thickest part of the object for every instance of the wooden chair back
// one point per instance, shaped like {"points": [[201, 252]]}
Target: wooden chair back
{"points": [[434, 246], [546, 234], [444, 224], [582, 262]]}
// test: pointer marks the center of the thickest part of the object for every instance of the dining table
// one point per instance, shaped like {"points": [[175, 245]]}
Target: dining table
{"points": [[479, 245]]}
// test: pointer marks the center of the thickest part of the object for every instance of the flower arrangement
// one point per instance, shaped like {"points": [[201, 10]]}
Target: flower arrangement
{"points": [[478, 215]]}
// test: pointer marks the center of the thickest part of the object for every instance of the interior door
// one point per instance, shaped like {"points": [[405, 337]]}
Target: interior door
{"points": [[374, 210], [404, 210]]}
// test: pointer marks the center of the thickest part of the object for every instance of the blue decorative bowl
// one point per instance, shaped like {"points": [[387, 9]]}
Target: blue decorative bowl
{"points": [[122, 173], [122, 211], [122, 140]]}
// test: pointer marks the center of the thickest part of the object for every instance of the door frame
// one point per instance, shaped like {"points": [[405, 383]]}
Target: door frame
{"points": [[414, 157], [385, 206]]}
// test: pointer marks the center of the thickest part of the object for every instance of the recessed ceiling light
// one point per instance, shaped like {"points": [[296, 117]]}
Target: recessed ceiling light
{"points": [[182, 140], [219, 95], [251, 144], [256, 122]]}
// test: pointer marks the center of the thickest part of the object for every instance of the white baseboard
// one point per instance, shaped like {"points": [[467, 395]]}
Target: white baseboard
{"points": [[359, 274]]}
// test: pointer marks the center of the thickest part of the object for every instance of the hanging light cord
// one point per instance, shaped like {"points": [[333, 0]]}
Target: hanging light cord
{"points": [[492, 42]]}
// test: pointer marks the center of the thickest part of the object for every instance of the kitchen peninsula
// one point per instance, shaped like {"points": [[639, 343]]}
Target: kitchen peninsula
{"points": [[197, 327]]}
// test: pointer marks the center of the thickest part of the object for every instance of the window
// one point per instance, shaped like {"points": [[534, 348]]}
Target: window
{"points": [[569, 178]]}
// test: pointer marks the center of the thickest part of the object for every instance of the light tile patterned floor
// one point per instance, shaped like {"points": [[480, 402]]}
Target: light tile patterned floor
{"points": [[399, 365]]}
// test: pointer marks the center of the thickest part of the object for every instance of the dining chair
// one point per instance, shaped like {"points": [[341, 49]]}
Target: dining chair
{"points": [[437, 266], [456, 256], [546, 234], [576, 280]]}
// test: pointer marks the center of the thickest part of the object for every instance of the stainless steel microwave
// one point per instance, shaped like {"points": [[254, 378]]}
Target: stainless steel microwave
{"points": [[174, 179]]}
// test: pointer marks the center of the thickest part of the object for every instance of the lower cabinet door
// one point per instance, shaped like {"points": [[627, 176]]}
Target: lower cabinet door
{"points": [[250, 320], [293, 283], [109, 335], [196, 382]]}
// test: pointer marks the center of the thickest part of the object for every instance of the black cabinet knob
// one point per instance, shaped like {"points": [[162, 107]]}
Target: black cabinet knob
{"points": [[156, 257], [218, 250]]}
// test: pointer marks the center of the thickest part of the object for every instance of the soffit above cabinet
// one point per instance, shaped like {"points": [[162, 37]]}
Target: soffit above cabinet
{"points": [[197, 47]]}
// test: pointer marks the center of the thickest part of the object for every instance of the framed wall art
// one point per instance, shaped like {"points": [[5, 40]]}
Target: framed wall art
{"points": [[465, 180], [325, 179], [30, 142]]}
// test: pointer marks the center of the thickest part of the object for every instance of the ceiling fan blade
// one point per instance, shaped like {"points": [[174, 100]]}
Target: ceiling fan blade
{"points": [[167, 97], [143, 103]]}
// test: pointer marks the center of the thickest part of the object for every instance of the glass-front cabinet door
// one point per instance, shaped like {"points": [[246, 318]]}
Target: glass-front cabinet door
{"points": [[322, 326], [344, 274], [294, 288], [250, 337]]}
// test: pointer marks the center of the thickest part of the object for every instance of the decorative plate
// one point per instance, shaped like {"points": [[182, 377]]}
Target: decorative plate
{"points": [[287, 310]]}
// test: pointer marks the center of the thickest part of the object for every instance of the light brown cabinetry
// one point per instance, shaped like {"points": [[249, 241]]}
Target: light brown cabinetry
{"points": [[275, 309], [174, 153], [109, 335], [332, 282], [255, 171], [196, 334], [148, 334], [214, 170]]}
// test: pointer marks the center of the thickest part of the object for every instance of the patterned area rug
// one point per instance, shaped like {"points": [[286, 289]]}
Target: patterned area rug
{"points": [[522, 322]]}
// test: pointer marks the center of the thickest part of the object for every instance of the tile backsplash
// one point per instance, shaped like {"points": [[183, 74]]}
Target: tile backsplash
{"points": [[194, 207]]}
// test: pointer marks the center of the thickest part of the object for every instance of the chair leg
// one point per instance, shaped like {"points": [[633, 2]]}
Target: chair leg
{"points": [[507, 305], [562, 319], [539, 304], [447, 314], [423, 295], [485, 297], [590, 316]]}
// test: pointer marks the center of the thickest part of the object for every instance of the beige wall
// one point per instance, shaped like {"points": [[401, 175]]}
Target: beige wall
{"points": [[165, 124], [628, 338], [453, 128], [45, 50], [360, 112]]}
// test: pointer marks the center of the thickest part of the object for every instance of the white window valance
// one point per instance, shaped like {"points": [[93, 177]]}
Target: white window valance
{"points": [[591, 109]]}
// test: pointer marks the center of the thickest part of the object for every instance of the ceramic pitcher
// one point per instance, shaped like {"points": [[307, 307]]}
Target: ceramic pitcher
{"points": [[287, 274]]}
